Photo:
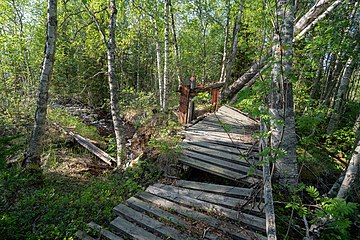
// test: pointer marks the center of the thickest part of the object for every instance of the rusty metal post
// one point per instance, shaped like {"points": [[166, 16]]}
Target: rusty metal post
{"points": [[191, 105]]}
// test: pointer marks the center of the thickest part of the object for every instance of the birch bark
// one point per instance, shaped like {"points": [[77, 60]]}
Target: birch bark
{"points": [[34, 149], [281, 105], [166, 54]]}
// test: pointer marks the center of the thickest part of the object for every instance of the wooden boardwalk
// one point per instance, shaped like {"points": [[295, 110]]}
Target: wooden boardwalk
{"points": [[220, 144]]}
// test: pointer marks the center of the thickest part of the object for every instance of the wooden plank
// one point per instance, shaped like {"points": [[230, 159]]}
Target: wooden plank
{"points": [[233, 138], [149, 223], [215, 124], [219, 171], [88, 145], [103, 232], [131, 230], [83, 236], [234, 203], [225, 119], [235, 113], [236, 158], [143, 206], [93, 149], [223, 149], [235, 232], [219, 140], [221, 163], [252, 221], [215, 188]]}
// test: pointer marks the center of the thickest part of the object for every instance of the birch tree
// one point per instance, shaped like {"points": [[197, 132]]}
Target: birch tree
{"points": [[166, 55], [34, 148], [281, 106], [113, 87]]}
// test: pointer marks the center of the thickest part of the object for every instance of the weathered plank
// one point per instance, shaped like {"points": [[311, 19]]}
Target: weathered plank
{"points": [[93, 149], [149, 223], [219, 171], [211, 123], [235, 232], [215, 188], [194, 135], [143, 206], [236, 158], [88, 145], [235, 137], [243, 169], [223, 149], [230, 111], [131, 230], [83, 236], [233, 203], [103, 232], [252, 221]]}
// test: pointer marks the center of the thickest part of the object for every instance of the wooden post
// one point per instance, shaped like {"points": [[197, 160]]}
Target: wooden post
{"points": [[184, 103], [191, 108], [215, 98]]}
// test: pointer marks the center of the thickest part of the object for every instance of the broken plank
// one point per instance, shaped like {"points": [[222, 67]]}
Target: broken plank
{"points": [[252, 221], [216, 170], [234, 203], [83, 236], [130, 229], [222, 148], [103, 232], [243, 169], [236, 232], [236, 158], [149, 223]]}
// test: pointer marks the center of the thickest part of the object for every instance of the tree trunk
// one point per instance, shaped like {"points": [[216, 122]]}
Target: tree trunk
{"points": [[341, 94], [113, 87], [311, 15], [166, 54], [34, 149], [234, 44], [319, 72], [177, 55], [312, 24], [160, 80], [281, 105], [352, 172], [241, 82], [223, 61]]}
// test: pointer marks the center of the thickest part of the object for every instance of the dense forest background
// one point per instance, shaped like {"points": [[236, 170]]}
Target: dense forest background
{"points": [[157, 46]]}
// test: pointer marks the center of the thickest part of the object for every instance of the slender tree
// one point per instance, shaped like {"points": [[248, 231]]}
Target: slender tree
{"points": [[34, 149], [110, 44], [166, 55], [281, 106]]}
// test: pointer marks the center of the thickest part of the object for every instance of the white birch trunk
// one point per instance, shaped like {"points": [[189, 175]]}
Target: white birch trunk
{"points": [[113, 87], [352, 173], [313, 13], [223, 61], [166, 54], [340, 96], [281, 99], [312, 24], [34, 149]]}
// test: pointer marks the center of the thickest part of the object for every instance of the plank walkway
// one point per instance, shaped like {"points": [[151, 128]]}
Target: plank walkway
{"points": [[221, 144]]}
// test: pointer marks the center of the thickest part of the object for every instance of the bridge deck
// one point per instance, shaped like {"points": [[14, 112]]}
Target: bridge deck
{"points": [[221, 144]]}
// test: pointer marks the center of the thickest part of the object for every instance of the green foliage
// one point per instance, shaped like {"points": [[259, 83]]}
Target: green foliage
{"points": [[61, 117], [336, 212]]}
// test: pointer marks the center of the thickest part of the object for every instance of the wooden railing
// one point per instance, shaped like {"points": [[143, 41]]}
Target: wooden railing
{"points": [[188, 92], [269, 204]]}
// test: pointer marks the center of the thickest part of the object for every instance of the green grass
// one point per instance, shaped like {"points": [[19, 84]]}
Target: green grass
{"points": [[61, 117]]}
